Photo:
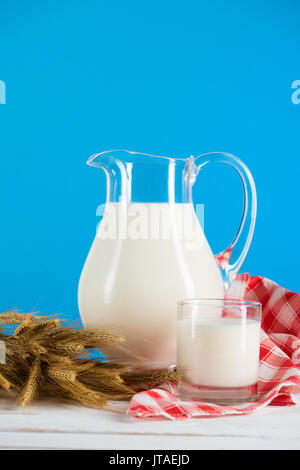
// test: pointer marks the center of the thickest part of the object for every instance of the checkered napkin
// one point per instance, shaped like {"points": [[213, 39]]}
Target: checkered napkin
{"points": [[279, 371]]}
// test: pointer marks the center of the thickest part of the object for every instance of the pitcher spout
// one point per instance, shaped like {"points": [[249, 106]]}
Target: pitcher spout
{"points": [[118, 173], [105, 160]]}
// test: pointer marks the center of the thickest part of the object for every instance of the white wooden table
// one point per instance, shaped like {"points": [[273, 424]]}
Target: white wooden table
{"points": [[56, 426]]}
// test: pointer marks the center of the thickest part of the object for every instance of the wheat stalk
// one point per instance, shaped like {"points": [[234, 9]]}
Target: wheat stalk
{"points": [[46, 359], [29, 391]]}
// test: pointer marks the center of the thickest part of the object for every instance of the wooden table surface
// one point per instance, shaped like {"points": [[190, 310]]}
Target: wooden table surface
{"points": [[55, 426]]}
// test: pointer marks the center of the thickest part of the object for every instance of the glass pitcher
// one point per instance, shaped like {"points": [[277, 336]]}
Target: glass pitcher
{"points": [[150, 251]]}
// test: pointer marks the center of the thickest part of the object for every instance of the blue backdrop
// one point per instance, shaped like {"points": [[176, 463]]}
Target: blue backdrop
{"points": [[162, 77]]}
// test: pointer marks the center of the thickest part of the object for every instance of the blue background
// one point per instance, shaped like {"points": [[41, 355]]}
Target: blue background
{"points": [[162, 77]]}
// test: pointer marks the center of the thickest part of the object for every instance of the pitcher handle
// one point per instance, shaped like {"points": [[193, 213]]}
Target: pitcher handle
{"points": [[232, 258]]}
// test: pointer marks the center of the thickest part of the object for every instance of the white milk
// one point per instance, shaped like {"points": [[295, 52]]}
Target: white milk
{"points": [[220, 352], [131, 286]]}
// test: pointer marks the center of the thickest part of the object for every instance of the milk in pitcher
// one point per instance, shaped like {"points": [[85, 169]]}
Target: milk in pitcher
{"points": [[136, 271]]}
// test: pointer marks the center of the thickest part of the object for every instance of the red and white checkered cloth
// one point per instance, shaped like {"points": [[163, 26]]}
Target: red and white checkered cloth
{"points": [[279, 371]]}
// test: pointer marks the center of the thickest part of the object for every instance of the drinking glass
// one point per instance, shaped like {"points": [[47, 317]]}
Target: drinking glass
{"points": [[218, 349]]}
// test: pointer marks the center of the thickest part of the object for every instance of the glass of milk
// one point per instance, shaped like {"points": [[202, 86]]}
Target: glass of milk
{"points": [[218, 350]]}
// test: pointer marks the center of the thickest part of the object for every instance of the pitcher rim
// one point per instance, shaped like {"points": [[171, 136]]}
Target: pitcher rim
{"points": [[132, 152]]}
